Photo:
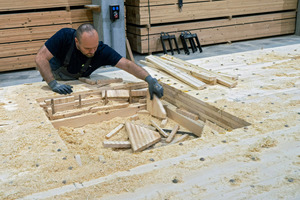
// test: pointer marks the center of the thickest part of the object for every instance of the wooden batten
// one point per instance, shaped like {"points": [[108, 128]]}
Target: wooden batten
{"points": [[79, 121], [117, 144]]}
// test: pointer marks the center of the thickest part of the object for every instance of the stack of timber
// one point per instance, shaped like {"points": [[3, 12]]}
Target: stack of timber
{"points": [[213, 21], [192, 75], [26, 25]]}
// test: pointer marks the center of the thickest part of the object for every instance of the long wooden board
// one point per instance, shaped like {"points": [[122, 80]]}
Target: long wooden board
{"points": [[79, 121], [36, 4], [204, 10]]}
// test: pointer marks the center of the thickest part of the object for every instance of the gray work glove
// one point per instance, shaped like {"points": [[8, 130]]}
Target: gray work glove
{"points": [[60, 88], [154, 87]]}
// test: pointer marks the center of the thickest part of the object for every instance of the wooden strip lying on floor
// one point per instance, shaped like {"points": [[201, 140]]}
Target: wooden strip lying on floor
{"points": [[172, 134], [117, 144], [141, 137], [194, 126], [180, 75], [162, 132], [79, 121], [181, 138], [114, 131]]}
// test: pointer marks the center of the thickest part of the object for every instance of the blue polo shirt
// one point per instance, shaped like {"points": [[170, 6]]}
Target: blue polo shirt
{"points": [[60, 43]]}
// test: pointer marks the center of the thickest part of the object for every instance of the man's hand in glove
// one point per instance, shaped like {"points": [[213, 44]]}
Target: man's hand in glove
{"points": [[60, 88], [154, 87]]}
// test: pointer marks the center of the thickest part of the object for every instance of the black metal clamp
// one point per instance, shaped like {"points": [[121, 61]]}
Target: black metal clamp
{"points": [[188, 35], [166, 36]]}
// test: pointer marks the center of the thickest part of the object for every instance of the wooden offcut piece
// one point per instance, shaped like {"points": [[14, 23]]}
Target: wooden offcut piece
{"points": [[87, 80], [155, 107], [117, 144], [141, 137], [181, 138], [114, 131], [172, 134], [162, 132]]}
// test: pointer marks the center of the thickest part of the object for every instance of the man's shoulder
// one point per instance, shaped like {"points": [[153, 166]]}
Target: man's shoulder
{"points": [[66, 31]]}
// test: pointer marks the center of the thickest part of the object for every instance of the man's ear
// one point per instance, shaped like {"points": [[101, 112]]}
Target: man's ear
{"points": [[76, 40]]}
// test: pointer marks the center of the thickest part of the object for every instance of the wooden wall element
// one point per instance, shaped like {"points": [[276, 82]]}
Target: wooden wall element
{"points": [[26, 25], [202, 109], [213, 21]]}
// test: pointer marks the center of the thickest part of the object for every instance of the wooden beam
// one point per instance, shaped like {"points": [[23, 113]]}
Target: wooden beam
{"points": [[194, 126], [79, 121]]}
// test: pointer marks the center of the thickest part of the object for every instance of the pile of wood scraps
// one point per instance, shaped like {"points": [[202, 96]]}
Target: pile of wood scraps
{"points": [[193, 75], [142, 136]]}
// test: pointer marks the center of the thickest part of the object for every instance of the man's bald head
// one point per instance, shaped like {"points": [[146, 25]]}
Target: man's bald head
{"points": [[87, 39], [88, 28]]}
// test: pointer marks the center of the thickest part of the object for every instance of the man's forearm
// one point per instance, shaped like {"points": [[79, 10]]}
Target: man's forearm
{"points": [[132, 68], [45, 69]]}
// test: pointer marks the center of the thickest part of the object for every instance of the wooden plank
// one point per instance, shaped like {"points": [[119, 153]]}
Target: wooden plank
{"points": [[141, 137], [162, 132], [192, 125], [19, 62], [79, 121], [114, 131], [155, 107], [117, 144], [187, 114], [20, 48], [60, 100], [108, 81], [203, 109], [216, 35], [192, 68], [37, 4], [180, 75], [205, 10], [88, 110], [181, 138], [29, 34], [211, 23], [172, 134]]}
